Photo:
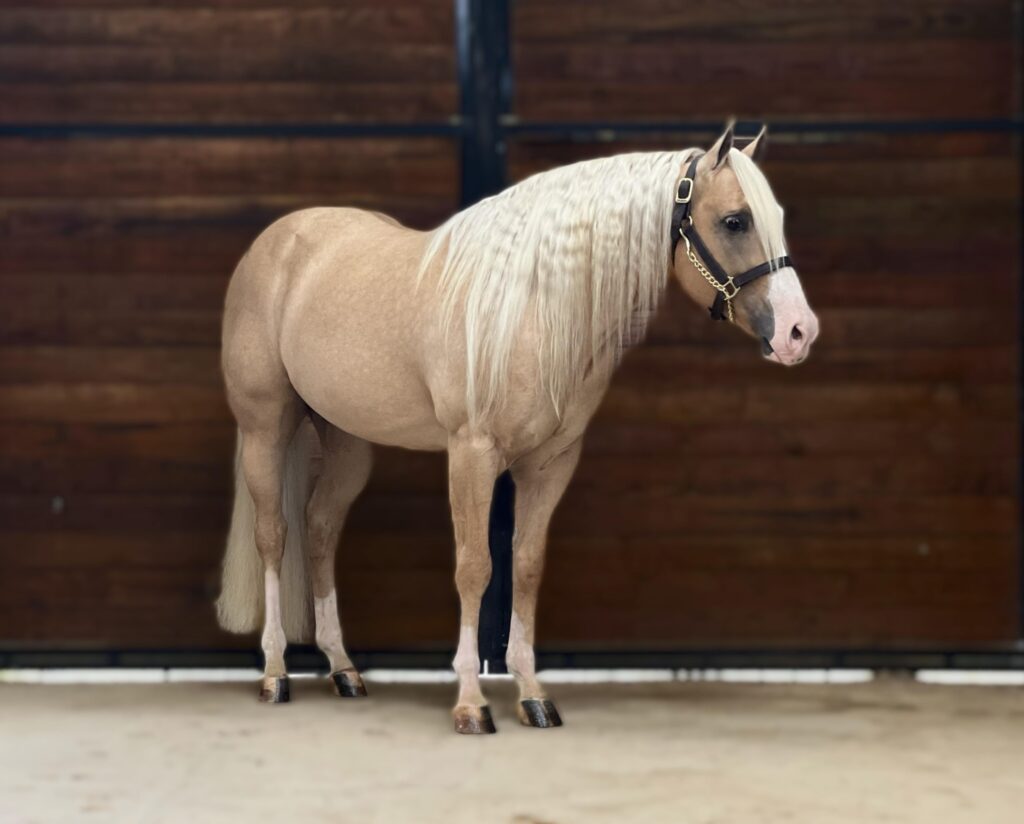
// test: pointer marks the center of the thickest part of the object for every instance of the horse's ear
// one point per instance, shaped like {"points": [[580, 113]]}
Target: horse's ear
{"points": [[720, 151], [755, 148]]}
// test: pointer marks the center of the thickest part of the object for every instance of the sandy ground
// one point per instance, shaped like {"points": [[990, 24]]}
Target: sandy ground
{"points": [[891, 751]]}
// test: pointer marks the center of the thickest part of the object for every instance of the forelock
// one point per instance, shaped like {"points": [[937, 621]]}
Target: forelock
{"points": [[764, 208]]}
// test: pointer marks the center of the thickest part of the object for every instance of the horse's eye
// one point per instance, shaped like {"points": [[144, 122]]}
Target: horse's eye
{"points": [[735, 223]]}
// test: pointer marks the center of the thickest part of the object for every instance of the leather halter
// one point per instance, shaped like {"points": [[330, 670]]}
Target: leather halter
{"points": [[726, 286]]}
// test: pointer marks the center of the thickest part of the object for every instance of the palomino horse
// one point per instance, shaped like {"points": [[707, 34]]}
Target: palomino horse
{"points": [[494, 338]]}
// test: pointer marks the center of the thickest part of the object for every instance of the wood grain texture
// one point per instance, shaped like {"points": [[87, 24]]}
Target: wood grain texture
{"points": [[227, 62], [584, 60], [747, 504], [126, 210], [115, 440], [868, 498]]}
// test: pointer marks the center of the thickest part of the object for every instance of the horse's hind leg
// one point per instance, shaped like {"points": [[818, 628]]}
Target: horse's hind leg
{"points": [[540, 478], [346, 468], [473, 466], [265, 438]]}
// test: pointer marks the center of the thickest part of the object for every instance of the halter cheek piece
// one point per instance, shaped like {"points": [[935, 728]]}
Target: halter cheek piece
{"points": [[726, 287]]}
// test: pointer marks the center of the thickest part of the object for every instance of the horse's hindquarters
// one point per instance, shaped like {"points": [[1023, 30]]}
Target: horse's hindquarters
{"points": [[354, 328]]}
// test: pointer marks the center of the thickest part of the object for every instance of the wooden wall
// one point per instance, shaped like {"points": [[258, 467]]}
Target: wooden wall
{"points": [[226, 61], [869, 497], [866, 59], [116, 251]]}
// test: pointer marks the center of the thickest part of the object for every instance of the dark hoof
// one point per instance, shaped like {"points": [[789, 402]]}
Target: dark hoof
{"points": [[348, 684], [473, 720], [539, 712], [275, 690]]}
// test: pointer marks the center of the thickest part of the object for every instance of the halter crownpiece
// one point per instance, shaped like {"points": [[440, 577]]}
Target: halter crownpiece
{"points": [[726, 286]]}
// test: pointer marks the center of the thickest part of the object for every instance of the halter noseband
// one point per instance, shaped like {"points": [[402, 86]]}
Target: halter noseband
{"points": [[726, 286]]}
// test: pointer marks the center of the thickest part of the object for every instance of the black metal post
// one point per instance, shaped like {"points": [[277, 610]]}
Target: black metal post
{"points": [[482, 44], [496, 609], [1018, 24], [485, 82]]}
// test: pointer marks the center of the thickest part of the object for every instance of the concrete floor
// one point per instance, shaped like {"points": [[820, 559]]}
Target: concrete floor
{"points": [[892, 751]]}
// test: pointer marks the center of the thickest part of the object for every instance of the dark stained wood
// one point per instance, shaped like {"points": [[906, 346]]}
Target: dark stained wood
{"points": [[585, 60], [367, 170], [752, 505], [227, 62], [115, 441], [868, 498], [96, 222]]}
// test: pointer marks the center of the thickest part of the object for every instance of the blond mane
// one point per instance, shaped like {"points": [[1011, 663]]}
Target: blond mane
{"points": [[581, 252]]}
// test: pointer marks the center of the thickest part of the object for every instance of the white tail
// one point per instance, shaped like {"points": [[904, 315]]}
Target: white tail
{"points": [[240, 605]]}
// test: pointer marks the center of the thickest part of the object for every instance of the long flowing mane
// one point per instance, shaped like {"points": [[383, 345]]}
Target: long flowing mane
{"points": [[581, 253]]}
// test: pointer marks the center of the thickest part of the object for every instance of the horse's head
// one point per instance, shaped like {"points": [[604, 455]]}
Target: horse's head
{"points": [[731, 252]]}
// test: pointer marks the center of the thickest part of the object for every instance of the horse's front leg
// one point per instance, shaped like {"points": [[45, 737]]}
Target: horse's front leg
{"points": [[541, 478], [473, 465]]}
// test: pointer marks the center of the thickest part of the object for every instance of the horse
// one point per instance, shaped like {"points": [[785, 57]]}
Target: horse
{"points": [[493, 338]]}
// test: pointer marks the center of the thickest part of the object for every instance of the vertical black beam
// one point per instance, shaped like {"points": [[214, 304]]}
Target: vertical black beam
{"points": [[1018, 55], [485, 91], [496, 608], [485, 85]]}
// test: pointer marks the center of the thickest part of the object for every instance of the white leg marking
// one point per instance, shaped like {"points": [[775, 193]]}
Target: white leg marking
{"points": [[520, 658], [467, 667], [521, 661], [274, 641], [467, 656], [328, 631]]}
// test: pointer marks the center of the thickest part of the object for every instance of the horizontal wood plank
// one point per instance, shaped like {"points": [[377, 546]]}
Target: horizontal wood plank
{"points": [[870, 497], [227, 62], [141, 167], [584, 60]]}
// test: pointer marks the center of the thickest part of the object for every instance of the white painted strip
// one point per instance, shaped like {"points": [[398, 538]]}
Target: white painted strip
{"points": [[554, 676], [129, 675], [779, 676], [83, 676], [606, 676], [972, 678], [199, 676], [399, 676]]}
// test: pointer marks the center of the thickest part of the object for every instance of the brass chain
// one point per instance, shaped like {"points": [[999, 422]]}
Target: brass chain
{"points": [[706, 274]]}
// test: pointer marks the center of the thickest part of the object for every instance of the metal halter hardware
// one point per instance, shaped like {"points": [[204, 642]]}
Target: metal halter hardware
{"points": [[726, 286]]}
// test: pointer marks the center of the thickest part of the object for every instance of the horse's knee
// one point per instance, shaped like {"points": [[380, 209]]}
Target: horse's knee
{"points": [[472, 571]]}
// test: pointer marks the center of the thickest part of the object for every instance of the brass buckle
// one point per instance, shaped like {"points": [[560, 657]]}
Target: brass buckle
{"points": [[689, 193], [727, 286]]}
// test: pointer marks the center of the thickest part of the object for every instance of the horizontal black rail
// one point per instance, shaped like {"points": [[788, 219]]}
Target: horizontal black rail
{"points": [[509, 126], [610, 130], [451, 128], [307, 658]]}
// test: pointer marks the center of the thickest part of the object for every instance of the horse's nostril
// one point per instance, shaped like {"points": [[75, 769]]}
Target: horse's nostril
{"points": [[796, 334]]}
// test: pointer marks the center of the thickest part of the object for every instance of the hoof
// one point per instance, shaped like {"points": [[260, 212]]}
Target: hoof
{"points": [[471, 720], [348, 684], [274, 690], [539, 712]]}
